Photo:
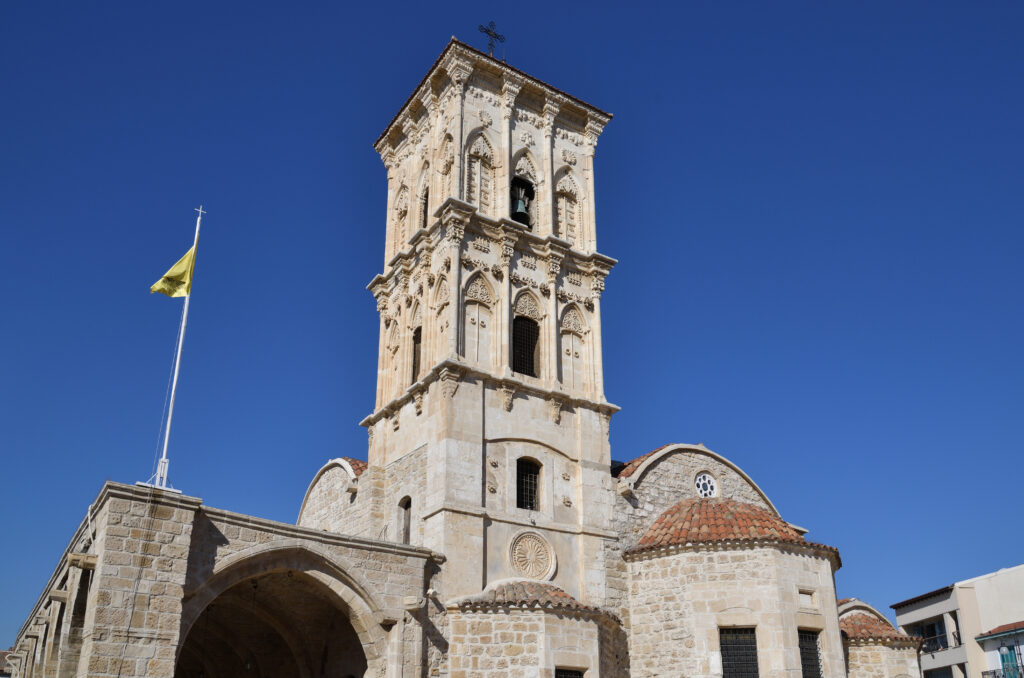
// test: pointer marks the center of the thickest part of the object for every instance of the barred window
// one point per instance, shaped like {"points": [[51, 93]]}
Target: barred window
{"points": [[525, 333], [417, 343], [568, 673], [527, 475], [810, 657], [739, 653]]}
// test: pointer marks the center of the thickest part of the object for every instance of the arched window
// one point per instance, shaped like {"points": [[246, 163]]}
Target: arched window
{"points": [[527, 484], [524, 180], [401, 212], [479, 175], [572, 350], [525, 336], [404, 519], [417, 343]]}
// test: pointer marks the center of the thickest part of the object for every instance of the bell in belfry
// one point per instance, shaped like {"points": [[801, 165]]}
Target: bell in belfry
{"points": [[522, 194]]}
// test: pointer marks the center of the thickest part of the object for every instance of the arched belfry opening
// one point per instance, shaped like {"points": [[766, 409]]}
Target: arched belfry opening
{"points": [[280, 624]]}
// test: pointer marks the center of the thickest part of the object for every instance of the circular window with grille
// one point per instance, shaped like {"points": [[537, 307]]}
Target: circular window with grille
{"points": [[705, 485]]}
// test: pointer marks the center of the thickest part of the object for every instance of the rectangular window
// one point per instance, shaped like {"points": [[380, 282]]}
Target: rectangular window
{"points": [[739, 653], [527, 474], [525, 334], [810, 657], [568, 673]]}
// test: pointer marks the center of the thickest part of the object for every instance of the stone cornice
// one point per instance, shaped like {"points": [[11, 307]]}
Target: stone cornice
{"points": [[515, 383], [454, 213], [458, 60], [818, 550]]}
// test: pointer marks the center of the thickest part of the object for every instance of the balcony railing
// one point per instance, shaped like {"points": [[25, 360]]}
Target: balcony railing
{"points": [[944, 642], [1005, 672]]}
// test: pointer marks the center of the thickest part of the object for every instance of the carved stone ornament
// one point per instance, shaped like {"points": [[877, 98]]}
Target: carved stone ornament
{"points": [[526, 305], [507, 250], [369, 434], [492, 488], [530, 555], [555, 410], [526, 138], [394, 421], [417, 400], [572, 321], [493, 463], [478, 291], [568, 156], [524, 169], [565, 476], [507, 393], [449, 383], [485, 119], [566, 501]]}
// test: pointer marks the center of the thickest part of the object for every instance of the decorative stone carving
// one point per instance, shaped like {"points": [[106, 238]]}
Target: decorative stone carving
{"points": [[574, 278], [572, 321], [531, 556], [417, 400], [485, 119], [478, 291], [566, 476], [526, 139], [507, 392], [449, 382], [507, 251], [492, 488], [394, 421], [493, 463], [525, 169], [482, 244], [566, 501], [555, 410], [568, 156], [526, 305], [528, 262], [529, 118]]}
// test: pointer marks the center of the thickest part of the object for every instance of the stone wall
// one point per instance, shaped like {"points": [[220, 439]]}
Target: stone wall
{"points": [[679, 600], [864, 660], [524, 643]]}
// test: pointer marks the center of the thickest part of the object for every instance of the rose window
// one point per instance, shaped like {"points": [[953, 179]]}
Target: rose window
{"points": [[705, 485]]}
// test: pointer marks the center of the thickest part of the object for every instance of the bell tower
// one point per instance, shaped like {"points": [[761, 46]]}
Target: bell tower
{"points": [[490, 421]]}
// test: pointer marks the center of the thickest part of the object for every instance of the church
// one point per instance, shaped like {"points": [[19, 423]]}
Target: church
{"points": [[489, 532]]}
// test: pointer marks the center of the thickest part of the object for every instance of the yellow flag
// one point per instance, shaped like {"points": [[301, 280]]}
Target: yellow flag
{"points": [[177, 282]]}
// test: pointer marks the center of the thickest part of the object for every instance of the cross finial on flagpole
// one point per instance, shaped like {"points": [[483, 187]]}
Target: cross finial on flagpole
{"points": [[200, 210]]}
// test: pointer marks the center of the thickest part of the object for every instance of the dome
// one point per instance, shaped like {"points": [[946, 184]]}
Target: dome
{"points": [[703, 521]]}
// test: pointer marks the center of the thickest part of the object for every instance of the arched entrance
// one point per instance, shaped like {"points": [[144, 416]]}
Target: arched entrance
{"points": [[280, 612], [283, 624]]}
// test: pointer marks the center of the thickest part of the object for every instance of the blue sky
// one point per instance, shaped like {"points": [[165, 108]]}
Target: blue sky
{"points": [[817, 209]]}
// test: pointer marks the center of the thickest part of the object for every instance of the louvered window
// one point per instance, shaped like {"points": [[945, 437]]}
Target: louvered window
{"points": [[525, 333], [527, 476], [810, 657], [739, 653]]}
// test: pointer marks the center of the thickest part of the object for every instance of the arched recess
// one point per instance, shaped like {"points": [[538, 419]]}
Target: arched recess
{"points": [[476, 320], [574, 361], [344, 465], [401, 218], [568, 210], [524, 171], [423, 198], [527, 336], [393, 358], [303, 587], [415, 330], [480, 177], [445, 167]]}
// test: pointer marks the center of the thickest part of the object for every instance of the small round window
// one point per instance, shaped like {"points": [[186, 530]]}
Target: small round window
{"points": [[705, 485]]}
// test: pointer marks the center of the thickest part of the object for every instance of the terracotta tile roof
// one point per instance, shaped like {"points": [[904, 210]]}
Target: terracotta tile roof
{"points": [[358, 465], [702, 521], [627, 469], [864, 626], [1005, 628], [525, 593], [844, 600]]}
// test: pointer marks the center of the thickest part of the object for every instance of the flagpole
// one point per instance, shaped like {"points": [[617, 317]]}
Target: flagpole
{"points": [[161, 469]]}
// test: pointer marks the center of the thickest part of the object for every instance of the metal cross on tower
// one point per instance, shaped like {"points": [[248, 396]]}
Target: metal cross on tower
{"points": [[491, 31]]}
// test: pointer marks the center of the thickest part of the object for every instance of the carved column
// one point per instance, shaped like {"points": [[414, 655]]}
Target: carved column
{"points": [[590, 211], [598, 287], [504, 321], [551, 355], [459, 72], [509, 92], [456, 230], [389, 226], [546, 208], [382, 310]]}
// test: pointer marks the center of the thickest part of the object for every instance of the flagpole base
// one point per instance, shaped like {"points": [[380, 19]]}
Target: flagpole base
{"points": [[157, 487]]}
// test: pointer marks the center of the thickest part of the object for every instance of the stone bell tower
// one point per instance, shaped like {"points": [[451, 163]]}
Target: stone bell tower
{"points": [[490, 422]]}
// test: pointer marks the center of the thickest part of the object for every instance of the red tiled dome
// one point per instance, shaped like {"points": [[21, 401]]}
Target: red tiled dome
{"points": [[718, 519], [525, 593], [863, 626]]}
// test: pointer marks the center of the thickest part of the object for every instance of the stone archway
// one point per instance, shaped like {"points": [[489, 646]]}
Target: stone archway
{"points": [[281, 612]]}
